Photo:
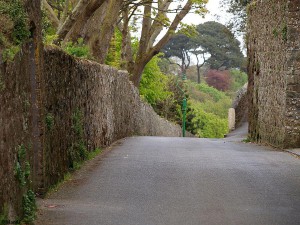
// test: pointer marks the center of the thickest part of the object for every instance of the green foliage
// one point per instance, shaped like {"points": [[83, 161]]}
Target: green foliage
{"points": [[93, 154], [238, 79], [210, 99], [15, 11], [78, 49], [178, 46], [213, 93], [56, 186], [77, 122], [275, 32], [247, 140], [49, 39], [2, 85], [153, 86], [238, 9], [284, 32], [49, 120], [4, 215], [9, 53], [78, 151], [14, 28], [113, 57], [47, 29], [217, 40], [205, 124], [29, 207], [22, 167], [22, 174]]}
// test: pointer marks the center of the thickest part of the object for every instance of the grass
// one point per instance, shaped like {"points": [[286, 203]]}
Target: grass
{"points": [[77, 166], [247, 140]]}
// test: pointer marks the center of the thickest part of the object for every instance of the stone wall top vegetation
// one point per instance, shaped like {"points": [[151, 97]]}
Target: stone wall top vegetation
{"points": [[274, 72]]}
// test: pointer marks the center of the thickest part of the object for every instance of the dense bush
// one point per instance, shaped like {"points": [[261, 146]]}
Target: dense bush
{"points": [[218, 79], [153, 86], [238, 79], [14, 29], [78, 49], [205, 124]]}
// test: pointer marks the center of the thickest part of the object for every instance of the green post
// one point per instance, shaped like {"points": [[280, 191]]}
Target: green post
{"points": [[184, 104], [183, 116]]}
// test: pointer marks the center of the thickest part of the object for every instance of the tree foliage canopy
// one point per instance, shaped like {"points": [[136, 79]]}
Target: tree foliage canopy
{"points": [[217, 40], [238, 9]]}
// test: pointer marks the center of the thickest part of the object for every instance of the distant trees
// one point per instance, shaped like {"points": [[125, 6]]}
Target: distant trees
{"points": [[214, 45], [217, 40], [179, 46]]}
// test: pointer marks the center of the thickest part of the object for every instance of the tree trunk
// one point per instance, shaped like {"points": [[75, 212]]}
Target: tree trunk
{"points": [[92, 16], [124, 30], [100, 44], [77, 11], [198, 73], [50, 13]]}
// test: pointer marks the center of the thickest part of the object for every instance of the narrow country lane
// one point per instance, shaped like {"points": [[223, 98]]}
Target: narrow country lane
{"points": [[180, 181]]}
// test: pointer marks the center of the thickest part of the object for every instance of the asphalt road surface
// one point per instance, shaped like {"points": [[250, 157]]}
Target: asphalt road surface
{"points": [[180, 181]]}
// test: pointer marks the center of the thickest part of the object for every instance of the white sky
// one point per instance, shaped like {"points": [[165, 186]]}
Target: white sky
{"points": [[216, 13]]}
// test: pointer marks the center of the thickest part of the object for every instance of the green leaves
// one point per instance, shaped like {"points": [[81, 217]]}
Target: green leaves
{"points": [[22, 174], [153, 86], [29, 206], [78, 49], [205, 124], [15, 11]]}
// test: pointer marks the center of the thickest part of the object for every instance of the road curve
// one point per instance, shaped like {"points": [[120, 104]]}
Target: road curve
{"points": [[180, 181]]}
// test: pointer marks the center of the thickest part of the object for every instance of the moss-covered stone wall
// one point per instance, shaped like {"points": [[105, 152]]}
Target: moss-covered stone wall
{"points": [[273, 45], [106, 103], [82, 106]]}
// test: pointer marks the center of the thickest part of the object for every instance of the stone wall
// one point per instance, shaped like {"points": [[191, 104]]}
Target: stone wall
{"points": [[83, 104], [109, 105], [274, 72], [20, 116], [240, 104]]}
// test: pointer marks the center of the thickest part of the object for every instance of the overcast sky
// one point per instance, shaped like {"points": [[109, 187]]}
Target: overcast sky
{"points": [[216, 13]]}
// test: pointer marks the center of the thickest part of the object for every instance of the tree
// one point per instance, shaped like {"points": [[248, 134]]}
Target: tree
{"points": [[154, 20], [178, 47], [217, 40], [95, 21], [218, 79], [238, 9], [199, 53]]}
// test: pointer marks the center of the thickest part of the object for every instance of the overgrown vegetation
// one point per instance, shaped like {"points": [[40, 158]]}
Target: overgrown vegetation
{"points": [[78, 151], [2, 85], [78, 49], [4, 215], [14, 28], [22, 174], [153, 87], [49, 120], [207, 106]]}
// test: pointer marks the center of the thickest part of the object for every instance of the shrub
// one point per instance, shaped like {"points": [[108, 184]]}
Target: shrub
{"points": [[78, 49], [218, 79]]}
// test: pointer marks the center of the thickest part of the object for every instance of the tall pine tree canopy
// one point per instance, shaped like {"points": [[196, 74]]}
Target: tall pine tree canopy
{"points": [[217, 40]]}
